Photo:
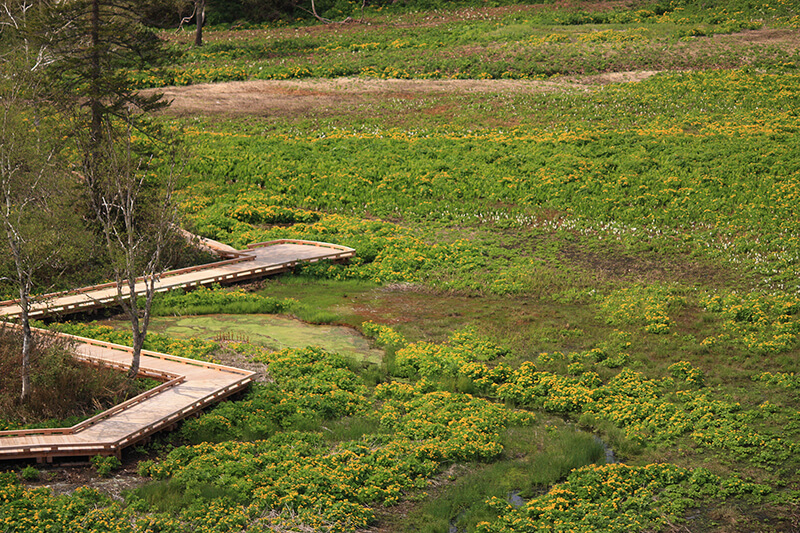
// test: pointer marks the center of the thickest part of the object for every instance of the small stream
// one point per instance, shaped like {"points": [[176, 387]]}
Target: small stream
{"points": [[518, 501], [610, 458]]}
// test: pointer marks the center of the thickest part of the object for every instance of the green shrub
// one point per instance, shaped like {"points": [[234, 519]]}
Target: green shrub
{"points": [[105, 465], [30, 473], [213, 300]]}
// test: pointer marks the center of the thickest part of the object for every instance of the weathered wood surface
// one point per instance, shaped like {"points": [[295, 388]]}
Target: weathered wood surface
{"points": [[188, 386]]}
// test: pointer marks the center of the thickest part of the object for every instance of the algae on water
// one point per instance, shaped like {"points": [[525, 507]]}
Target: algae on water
{"points": [[272, 331]]}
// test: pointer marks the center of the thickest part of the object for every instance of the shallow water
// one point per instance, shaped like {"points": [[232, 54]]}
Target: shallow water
{"points": [[609, 453], [272, 331]]}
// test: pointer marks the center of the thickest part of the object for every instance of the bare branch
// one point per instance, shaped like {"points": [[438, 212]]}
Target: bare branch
{"points": [[186, 20]]}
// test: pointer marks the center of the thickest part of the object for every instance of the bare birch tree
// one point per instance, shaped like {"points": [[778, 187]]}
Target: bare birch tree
{"points": [[33, 188], [137, 217]]}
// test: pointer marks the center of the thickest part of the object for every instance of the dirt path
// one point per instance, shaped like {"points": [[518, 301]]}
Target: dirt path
{"points": [[292, 97]]}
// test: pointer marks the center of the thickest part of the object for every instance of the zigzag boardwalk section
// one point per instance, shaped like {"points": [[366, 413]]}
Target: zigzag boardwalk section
{"points": [[187, 385], [259, 260]]}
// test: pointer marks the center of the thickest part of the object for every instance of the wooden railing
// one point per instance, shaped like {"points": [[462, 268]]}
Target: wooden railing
{"points": [[114, 448], [183, 413], [98, 417], [150, 353], [113, 284]]}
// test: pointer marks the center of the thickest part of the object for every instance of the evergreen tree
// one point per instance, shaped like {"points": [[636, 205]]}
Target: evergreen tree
{"points": [[95, 43]]}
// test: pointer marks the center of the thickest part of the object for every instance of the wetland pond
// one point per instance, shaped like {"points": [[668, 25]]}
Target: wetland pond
{"points": [[271, 331]]}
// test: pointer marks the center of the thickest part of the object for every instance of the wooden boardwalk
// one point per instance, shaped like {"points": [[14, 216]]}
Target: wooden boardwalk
{"points": [[258, 260], [188, 385]]}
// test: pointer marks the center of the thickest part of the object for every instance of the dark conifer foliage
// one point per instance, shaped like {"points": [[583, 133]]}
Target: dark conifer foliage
{"points": [[94, 44]]}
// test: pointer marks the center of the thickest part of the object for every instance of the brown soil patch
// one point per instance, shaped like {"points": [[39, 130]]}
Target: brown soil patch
{"points": [[227, 356], [330, 96], [611, 77], [65, 479], [784, 37]]}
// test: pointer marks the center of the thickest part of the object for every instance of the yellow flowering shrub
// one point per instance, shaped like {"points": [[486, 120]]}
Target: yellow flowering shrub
{"points": [[617, 498]]}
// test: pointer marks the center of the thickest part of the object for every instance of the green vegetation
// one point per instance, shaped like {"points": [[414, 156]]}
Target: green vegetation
{"points": [[471, 42], [541, 263], [29, 473], [204, 301], [105, 465]]}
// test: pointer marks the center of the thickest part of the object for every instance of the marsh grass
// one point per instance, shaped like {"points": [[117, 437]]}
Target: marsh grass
{"points": [[350, 428], [317, 316], [214, 300], [624, 448], [534, 458], [320, 301], [169, 496]]}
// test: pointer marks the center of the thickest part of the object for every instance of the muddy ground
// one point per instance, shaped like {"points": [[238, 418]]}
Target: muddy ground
{"points": [[328, 96]]}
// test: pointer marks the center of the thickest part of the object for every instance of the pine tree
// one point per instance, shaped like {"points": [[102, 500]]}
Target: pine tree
{"points": [[95, 44]]}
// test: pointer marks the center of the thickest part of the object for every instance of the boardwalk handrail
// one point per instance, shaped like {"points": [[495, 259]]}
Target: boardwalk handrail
{"points": [[157, 355], [49, 296], [129, 349], [143, 372], [173, 380], [222, 275], [183, 413], [108, 413]]}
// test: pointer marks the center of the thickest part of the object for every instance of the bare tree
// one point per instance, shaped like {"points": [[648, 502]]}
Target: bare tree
{"points": [[199, 16], [27, 216], [200, 20], [138, 218], [33, 188]]}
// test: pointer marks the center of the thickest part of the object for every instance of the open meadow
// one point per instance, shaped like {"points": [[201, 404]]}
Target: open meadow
{"points": [[578, 247]]}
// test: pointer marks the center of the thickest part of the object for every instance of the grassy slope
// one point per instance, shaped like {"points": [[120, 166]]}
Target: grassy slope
{"points": [[695, 159]]}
